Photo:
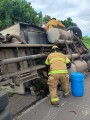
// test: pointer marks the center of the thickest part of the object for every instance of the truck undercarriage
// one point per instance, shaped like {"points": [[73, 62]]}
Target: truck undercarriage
{"points": [[24, 47]]}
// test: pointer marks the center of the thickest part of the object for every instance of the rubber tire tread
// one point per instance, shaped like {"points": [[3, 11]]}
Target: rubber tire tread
{"points": [[75, 30], [86, 57], [3, 100], [5, 115]]}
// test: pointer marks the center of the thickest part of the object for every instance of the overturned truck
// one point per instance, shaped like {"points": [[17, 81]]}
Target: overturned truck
{"points": [[23, 50]]}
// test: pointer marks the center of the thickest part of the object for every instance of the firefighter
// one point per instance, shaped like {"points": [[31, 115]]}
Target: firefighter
{"points": [[53, 23], [58, 72]]}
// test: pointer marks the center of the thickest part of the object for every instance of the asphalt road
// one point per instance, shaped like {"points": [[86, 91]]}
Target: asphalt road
{"points": [[71, 108]]}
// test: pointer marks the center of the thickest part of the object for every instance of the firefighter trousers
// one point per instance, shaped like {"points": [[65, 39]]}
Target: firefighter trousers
{"points": [[53, 81]]}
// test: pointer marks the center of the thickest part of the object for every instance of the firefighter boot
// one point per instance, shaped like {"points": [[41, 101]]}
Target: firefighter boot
{"points": [[66, 94], [55, 101]]}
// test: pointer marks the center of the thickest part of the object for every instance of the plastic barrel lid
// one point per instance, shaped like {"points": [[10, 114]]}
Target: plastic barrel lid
{"points": [[78, 74]]}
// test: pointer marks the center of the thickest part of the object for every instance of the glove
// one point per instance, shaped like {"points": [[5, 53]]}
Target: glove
{"points": [[47, 69], [68, 65]]}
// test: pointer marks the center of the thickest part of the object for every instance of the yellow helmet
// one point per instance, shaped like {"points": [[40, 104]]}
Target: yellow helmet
{"points": [[53, 47]]}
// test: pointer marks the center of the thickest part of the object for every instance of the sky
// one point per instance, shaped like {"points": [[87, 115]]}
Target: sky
{"points": [[78, 10]]}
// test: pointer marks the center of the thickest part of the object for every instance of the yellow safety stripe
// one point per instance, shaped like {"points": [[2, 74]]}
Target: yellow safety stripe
{"points": [[54, 59], [66, 93], [47, 62], [67, 60], [54, 99], [57, 71]]}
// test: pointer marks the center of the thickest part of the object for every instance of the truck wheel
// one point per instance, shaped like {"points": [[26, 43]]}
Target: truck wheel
{"points": [[3, 100], [86, 57], [76, 31], [5, 115]]}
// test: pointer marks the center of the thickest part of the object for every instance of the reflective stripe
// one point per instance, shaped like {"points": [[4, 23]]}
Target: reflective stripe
{"points": [[67, 93], [54, 99], [47, 62], [67, 60], [57, 71], [54, 59]]}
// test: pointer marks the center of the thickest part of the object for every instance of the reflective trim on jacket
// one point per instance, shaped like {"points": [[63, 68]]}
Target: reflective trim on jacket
{"points": [[54, 59], [57, 62], [57, 71]]}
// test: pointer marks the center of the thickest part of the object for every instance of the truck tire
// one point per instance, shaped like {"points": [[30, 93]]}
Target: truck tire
{"points": [[3, 100], [86, 57], [5, 115], [76, 31]]}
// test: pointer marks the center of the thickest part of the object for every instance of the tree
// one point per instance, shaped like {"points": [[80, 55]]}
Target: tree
{"points": [[46, 19], [5, 11], [40, 18], [14, 11], [68, 22]]}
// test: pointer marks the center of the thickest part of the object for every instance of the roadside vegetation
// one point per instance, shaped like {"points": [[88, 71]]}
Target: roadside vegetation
{"points": [[86, 41], [14, 11]]}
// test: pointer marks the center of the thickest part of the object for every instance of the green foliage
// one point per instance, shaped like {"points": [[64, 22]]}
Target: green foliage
{"points": [[46, 19], [40, 18], [68, 22], [13, 11], [86, 41], [5, 11]]}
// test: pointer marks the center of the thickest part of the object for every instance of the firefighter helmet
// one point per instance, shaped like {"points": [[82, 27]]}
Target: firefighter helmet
{"points": [[54, 47]]}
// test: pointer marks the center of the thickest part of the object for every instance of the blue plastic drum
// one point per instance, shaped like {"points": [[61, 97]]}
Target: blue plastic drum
{"points": [[77, 84]]}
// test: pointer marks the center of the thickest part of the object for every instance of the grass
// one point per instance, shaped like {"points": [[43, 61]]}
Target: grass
{"points": [[86, 42]]}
